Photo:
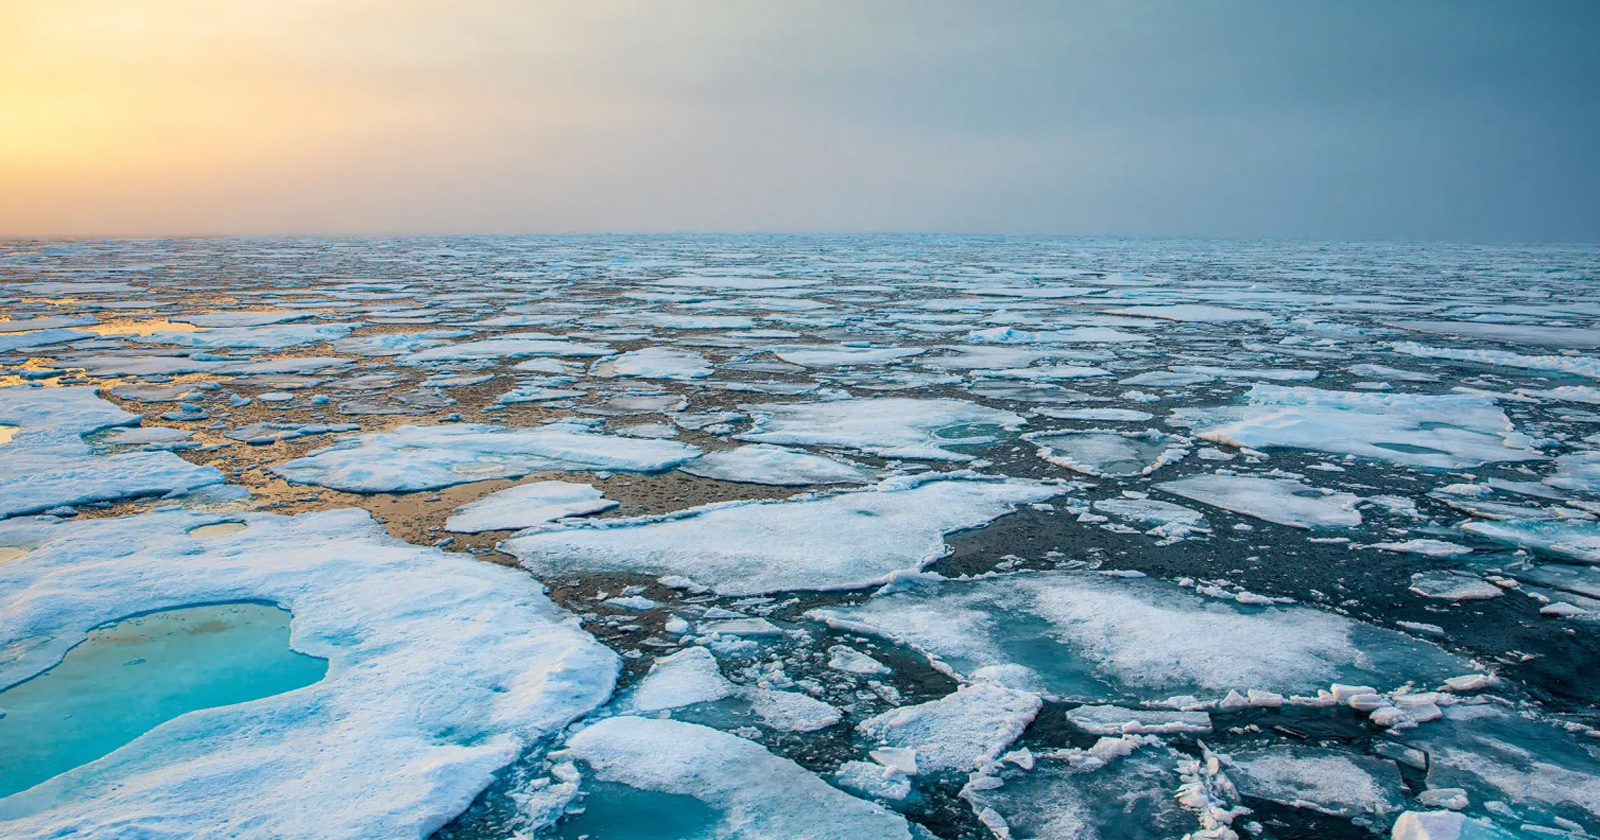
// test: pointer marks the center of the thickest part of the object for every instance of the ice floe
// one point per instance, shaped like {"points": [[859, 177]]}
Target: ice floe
{"points": [[1087, 637], [843, 540], [527, 505], [894, 427], [47, 464], [401, 627], [1281, 500], [1448, 431], [429, 457], [761, 463]]}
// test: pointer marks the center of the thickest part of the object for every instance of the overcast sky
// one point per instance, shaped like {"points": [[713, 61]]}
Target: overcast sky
{"points": [[1340, 119]]}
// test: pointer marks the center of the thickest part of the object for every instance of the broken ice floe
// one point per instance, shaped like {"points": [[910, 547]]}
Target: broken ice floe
{"points": [[527, 505], [1086, 637], [388, 616], [429, 457], [1447, 431], [47, 464], [893, 427], [839, 541]]}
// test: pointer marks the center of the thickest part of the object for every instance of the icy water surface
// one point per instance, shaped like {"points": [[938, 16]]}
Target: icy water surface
{"points": [[131, 676], [841, 537]]}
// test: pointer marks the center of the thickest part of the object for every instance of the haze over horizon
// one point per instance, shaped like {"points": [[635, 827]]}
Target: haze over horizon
{"points": [[1469, 120]]}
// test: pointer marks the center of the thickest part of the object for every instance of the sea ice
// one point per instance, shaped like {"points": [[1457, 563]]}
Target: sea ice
{"points": [[483, 663], [1091, 638], [749, 792], [960, 732], [1281, 500], [47, 464], [839, 541], [1344, 784], [894, 427], [1446, 431], [527, 505], [1100, 452], [429, 457], [761, 463], [656, 363]]}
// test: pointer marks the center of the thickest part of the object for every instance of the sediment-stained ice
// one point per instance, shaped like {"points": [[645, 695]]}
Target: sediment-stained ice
{"points": [[894, 427], [527, 505], [1280, 500], [841, 541], [47, 464], [482, 663], [745, 791], [1446, 431], [428, 457]]}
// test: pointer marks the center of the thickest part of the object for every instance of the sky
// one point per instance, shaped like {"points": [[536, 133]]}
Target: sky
{"points": [[1398, 120]]}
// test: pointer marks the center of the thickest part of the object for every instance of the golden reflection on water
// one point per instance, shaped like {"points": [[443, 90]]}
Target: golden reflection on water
{"points": [[8, 432], [128, 326]]}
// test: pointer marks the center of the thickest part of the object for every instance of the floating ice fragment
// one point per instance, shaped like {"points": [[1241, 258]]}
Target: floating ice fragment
{"points": [[1280, 500], [766, 464], [1447, 431], [749, 791], [401, 627], [894, 427], [429, 457], [527, 505], [959, 732], [840, 541]]}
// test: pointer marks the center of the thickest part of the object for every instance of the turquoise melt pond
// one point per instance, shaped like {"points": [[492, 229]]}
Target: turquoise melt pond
{"points": [[134, 674]]}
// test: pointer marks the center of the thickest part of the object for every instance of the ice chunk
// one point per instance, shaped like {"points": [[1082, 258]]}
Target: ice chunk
{"points": [[840, 541], [1576, 365], [403, 627], [428, 457], [1281, 500], [1082, 797], [687, 677], [1091, 638], [1359, 787], [1452, 585], [1118, 720], [873, 781], [960, 731], [274, 337], [818, 356], [1444, 825], [1578, 471], [1570, 539], [1495, 754], [894, 427], [1170, 521], [1106, 453], [47, 464], [749, 792], [506, 347], [851, 661], [1447, 431], [527, 505], [657, 363], [1193, 312], [766, 464]]}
